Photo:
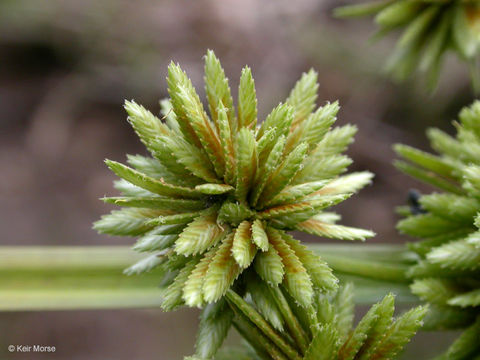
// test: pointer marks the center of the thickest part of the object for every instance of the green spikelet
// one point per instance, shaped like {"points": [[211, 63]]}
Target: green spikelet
{"points": [[466, 346], [213, 203], [430, 30], [399, 333], [284, 174], [265, 302], [324, 344], [326, 330], [259, 236], [173, 295], [269, 266], [247, 101], [193, 288], [246, 163], [297, 281], [200, 235], [243, 248], [222, 272], [344, 307], [215, 322], [217, 89], [447, 224], [319, 272], [303, 96]]}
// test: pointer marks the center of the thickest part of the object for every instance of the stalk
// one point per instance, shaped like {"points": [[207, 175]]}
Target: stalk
{"points": [[263, 325], [295, 329], [262, 345], [73, 278], [79, 278], [389, 253], [372, 269]]}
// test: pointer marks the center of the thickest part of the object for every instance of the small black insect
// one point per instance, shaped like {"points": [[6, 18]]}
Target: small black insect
{"points": [[215, 199], [413, 200]]}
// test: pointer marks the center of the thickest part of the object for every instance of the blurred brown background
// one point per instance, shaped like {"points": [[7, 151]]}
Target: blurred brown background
{"points": [[67, 66]]}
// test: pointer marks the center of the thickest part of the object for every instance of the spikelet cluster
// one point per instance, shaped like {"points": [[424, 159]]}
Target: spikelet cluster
{"points": [[430, 29], [448, 222], [220, 191], [325, 331]]}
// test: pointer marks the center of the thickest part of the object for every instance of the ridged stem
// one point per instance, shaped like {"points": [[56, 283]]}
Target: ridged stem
{"points": [[262, 345], [294, 327], [77, 278], [389, 253], [262, 324], [367, 268], [73, 278]]}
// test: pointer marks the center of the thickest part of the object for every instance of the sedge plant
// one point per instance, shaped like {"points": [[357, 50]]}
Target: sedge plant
{"points": [[213, 205], [430, 29], [448, 224]]}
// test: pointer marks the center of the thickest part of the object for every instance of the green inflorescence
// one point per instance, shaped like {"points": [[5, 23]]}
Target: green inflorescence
{"points": [[213, 204], [220, 192], [448, 222], [430, 29]]}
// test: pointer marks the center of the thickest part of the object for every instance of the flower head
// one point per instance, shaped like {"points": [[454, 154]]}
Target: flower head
{"points": [[448, 222], [217, 197], [430, 30]]}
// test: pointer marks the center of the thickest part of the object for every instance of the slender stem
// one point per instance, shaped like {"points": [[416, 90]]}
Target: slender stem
{"points": [[73, 278], [77, 278], [258, 341], [475, 74], [81, 299], [296, 330], [369, 291], [66, 257], [393, 254], [366, 268], [263, 325]]}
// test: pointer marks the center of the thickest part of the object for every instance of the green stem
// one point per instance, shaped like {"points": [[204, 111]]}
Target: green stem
{"points": [[367, 268], [262, 324], [393, 254], [262, 345], [77, 278], [475, 75], [370, 291], [66, 257], [296, 330], [73, 278]]}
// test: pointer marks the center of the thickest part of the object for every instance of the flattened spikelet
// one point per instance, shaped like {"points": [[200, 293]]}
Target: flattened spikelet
{"points": [[222, 271], [243, 248], [193, 288], [296, 280], [247, 100], [269, 266], [259, 236], [200, 235]]}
